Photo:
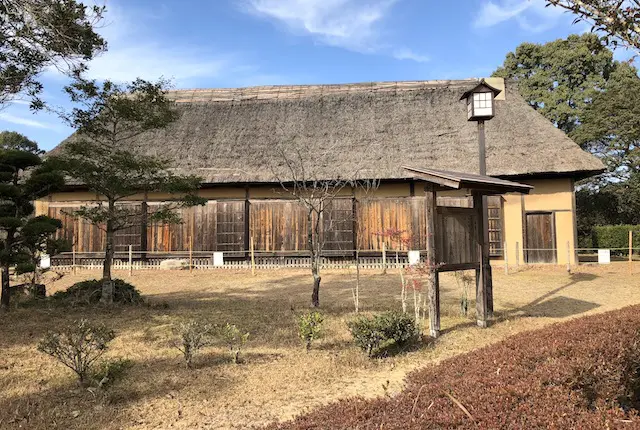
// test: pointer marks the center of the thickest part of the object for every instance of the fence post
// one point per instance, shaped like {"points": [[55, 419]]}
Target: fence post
{"points": [[73, 258], [253, 256], [384, 258], [191, 254], [630, 251], [517, 256], [568, 257], [130, 260], [506, 259]]}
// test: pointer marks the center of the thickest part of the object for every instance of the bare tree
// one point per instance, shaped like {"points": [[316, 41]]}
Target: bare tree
{"points": [[309, 182]]}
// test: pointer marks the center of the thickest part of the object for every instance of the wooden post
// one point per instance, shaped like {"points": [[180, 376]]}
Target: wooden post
{"points": [[506, 259], [517, 256], [144, 228], [630, 251], [433, 279], [568, 257], [73, 258], [253, 256], [482, 275], [191, 243], [384, 257], [130, 260], [190, 254]]}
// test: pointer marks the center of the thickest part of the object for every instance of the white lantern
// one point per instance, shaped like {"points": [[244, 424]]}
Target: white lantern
{"points": [[481, 102]]}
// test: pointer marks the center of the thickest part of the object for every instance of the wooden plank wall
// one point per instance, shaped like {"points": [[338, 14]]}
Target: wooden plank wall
{"points": [[281, 225], [456, 236], [278, 225], [80, 233], [404, 214]]}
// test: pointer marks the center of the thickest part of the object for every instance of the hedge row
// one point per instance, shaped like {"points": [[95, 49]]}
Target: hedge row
{"points": [[581, 374], [615, 236]]}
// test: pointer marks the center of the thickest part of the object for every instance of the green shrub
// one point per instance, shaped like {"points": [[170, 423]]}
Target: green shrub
{"points": [[194, 335], [78, 346], [615, 236], [89, 292], [380, 333], [109, 371], [234, 339], [309, 327]]}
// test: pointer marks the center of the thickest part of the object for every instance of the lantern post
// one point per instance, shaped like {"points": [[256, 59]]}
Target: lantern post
{"points": [[480, 108]]}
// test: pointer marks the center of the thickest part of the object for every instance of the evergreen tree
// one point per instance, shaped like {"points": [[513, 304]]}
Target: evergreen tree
{"points": [[560, 78], [24, 177], [36, 34], [108, 119]]}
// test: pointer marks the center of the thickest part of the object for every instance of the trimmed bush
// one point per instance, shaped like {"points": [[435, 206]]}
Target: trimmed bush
{"points": [[380, 333], [109, 371], [78, 346], [583, 374], [309, 327], [89, 292], [615, 236], [235, 339], [194, 335]]}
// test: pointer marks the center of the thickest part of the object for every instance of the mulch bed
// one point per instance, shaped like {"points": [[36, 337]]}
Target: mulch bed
{"points": [[580, 374]]}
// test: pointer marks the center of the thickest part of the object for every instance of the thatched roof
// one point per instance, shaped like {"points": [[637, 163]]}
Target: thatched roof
{"points": [[237, 135]]}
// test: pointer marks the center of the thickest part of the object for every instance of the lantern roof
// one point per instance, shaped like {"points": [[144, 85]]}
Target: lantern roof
{"points": [[482, 85]]}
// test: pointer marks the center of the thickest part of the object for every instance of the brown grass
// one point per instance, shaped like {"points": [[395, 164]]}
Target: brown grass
{"points": [[278, 380]]}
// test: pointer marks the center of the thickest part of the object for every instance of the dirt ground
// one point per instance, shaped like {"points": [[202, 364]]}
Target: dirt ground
{"points": [[278, 379]]}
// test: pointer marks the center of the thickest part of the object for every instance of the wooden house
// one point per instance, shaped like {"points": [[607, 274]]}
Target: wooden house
{"points": [[228, 137]]}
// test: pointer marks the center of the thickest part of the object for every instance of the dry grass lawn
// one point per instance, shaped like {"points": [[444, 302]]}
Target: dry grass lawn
{"points": [[278, 378]]}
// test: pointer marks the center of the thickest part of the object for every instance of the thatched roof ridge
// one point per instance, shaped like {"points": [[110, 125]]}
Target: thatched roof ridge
{"points": [[371, 129]]}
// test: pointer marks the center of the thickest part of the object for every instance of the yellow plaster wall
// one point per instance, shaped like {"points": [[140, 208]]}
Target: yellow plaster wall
{"points": [[548, 195]]}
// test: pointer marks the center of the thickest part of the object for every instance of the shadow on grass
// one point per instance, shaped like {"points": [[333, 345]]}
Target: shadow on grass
{"points": [[70, 406], [557, 307], [543, 306]]}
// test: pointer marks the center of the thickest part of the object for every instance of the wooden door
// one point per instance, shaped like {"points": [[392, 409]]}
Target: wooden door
{"points": [[540, 238]]}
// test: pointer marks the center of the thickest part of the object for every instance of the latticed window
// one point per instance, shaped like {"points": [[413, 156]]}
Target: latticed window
{"points": [[496, 240]]}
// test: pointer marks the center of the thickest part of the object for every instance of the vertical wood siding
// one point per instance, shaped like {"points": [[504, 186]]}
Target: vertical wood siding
{"points": [[278, 225], [80, 233], [456, 236], [281, 225], [405, 214]]}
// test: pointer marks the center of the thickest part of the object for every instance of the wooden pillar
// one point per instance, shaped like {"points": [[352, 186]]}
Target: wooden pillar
{"points": [[433, 278], [144, 220], [484, 223], [247, 224], [483, 273]]}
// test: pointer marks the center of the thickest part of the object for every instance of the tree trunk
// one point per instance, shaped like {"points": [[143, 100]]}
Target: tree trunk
{"points": [[313, 244], [315, 297], [107, 282], [6, 292]]}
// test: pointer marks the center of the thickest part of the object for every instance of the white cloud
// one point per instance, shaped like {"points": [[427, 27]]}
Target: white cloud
{"points": [[135, 50], [150, 61], [531, 15], [20, 120], [348, 24], [408, 54]]}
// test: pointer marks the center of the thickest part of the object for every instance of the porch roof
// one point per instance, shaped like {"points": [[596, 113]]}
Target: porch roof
{"points": [[449, 180]]}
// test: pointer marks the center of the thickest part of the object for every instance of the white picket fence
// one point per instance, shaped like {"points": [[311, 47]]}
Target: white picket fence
{"points": [[261, 263]]}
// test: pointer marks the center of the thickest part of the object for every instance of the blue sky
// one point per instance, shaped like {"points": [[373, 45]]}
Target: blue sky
{"points": [[236, 43]]}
